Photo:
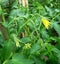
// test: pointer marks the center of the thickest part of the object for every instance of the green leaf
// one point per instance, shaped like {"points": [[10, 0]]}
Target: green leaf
{"points": [[57, 27], [44, 34], [5, 3], [9, 47], [20, 59], [49, 10], [25, 39], [35, 48], [57, 53]]}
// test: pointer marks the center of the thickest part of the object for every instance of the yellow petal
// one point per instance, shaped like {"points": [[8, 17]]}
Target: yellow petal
{"points": [[46, 23]]}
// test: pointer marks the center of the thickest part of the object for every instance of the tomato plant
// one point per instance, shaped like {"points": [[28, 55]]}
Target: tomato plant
{"points": [[30, 35]]}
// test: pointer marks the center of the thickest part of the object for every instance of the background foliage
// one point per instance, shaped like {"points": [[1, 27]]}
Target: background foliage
{"points": [[29, 41]]}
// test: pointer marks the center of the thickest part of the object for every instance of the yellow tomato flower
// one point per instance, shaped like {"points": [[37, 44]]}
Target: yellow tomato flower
{"points": [[27, 46], [16, 41], [46, 23]]}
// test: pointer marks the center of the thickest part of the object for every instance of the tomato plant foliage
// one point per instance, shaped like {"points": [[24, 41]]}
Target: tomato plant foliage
{"points": [[33, 32]]}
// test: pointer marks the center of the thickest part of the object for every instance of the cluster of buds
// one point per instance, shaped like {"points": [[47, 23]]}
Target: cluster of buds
{"points": [[27, 46]]}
